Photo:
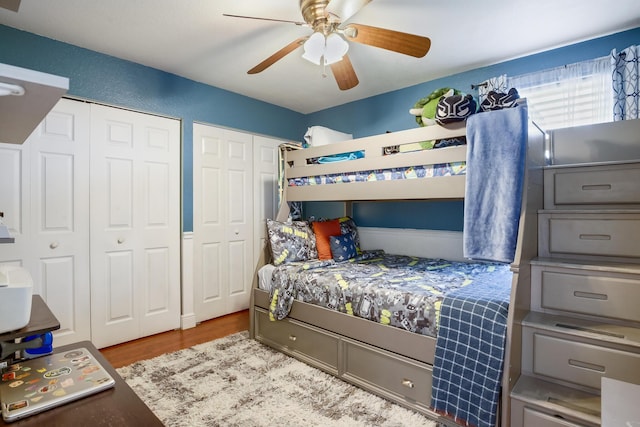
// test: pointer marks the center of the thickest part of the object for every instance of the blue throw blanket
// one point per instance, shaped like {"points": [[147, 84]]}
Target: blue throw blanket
{"points": [[497, 145], [469, 358]]}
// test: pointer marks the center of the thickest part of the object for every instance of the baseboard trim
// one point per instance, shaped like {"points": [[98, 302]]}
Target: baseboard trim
{"points": [[188, 321]]}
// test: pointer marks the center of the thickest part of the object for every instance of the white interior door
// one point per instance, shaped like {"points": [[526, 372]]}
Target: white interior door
{"points": [[223, 220], [265, 166], [45, 195], [135, 225]]}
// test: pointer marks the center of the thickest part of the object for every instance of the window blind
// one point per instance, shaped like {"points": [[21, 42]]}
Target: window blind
{"points": [[572, 95]]}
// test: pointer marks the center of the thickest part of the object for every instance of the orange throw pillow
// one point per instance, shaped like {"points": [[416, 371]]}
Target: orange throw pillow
{"points": [[323, 230]]}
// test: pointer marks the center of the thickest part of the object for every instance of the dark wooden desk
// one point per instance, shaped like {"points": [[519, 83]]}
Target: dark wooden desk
{"points": [[117, 406]]}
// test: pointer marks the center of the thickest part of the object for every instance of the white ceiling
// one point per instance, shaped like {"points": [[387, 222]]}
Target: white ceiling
{"points": [[192, 39]]}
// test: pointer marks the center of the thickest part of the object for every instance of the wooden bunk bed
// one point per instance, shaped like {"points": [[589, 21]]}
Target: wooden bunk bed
{"points": [[391, 362]]}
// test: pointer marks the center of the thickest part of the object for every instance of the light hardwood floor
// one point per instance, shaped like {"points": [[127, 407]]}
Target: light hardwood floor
{"points": [[155, 345]]}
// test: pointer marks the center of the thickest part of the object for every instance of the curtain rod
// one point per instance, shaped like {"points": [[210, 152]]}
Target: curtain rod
{"points": [[476, 86]]}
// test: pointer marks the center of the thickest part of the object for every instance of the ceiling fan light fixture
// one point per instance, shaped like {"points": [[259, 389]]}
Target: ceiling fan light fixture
{"points": [[314, 48], [336, 48], [327, 51]]}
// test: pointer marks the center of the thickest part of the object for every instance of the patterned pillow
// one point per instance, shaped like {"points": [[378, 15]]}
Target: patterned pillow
{"points": [[348, 226], [291, 241], [498, 100], [455, 108], [342, 247]]}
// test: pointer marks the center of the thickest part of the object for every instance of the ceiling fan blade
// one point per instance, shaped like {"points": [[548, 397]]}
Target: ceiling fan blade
{"points": [[13, 5], [405, 43], [302, 24], [277, 56], [344, 74], [344, 9]]}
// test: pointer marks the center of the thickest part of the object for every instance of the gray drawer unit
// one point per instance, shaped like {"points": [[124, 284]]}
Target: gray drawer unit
{"points": [[400, 377], [537, 403], [592, 186], [577, 362], [587, 292], [583, 322], [305, 342], [614, 235]]}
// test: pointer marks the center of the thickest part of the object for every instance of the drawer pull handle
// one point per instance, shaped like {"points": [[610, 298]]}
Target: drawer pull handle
{"points": [[595, 237], [407, 383], [292, 338], [53, 245], [597, 187], [590, 295], [586, 365]]}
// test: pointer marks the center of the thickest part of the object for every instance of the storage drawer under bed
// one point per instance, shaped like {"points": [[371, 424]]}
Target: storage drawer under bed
{"points": [[318, 347], [387, 373]]}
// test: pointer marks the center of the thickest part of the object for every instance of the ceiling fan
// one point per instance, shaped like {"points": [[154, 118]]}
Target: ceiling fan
{"points": [[327, 44]]}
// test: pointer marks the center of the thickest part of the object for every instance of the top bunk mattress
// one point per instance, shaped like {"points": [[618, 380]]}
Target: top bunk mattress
{"points": [[396, 290]]}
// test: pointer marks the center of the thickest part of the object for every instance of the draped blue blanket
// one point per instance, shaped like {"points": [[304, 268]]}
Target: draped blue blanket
{"points": [[469, 358], [496, 151]]}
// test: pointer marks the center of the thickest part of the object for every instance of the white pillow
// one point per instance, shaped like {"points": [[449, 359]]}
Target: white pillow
{"points": [[320, 135]]}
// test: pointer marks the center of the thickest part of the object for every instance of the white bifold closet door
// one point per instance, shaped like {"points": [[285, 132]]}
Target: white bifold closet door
{"points": [[135, 225], [44, 194], [265, 196], [234, 190]]}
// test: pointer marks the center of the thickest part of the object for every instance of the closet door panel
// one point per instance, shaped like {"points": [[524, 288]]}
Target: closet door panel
{"points": [[158, 283], [223, 219], [212, 271], [57, 193], [59, 219], [119, 285], [59, 292], [265, 196], [118, 189], [136, 224]]}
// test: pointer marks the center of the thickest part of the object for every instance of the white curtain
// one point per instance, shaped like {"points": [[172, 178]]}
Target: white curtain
{"points": [[570, 95], [497, 84], [626, 86]]}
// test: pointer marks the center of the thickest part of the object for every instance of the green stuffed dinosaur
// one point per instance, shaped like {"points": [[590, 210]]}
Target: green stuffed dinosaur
{"points": [[425, 109], [425, 112]]}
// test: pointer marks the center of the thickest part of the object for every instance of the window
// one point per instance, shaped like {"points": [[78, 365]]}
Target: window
{"points": [[571, 95]]}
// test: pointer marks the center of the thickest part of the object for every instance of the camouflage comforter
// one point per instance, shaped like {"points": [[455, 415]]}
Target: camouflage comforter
{"points": [[401, 291]]}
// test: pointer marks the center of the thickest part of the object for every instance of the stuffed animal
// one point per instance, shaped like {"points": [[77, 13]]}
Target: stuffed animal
{"points": [[425, 109], [454, 108], [498, 100]]}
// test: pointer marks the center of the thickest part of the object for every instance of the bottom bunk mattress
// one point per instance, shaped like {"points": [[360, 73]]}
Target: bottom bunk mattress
{"points": [[395, 290]]}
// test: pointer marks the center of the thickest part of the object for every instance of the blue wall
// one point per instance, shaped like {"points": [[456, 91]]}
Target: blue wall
{"points": [[113, 81]]}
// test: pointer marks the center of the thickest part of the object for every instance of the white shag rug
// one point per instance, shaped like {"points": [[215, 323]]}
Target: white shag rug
{"points": [[236, 381]]}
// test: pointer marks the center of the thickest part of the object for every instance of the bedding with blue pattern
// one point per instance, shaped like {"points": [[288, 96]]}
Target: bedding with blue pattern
{"points": [[396, 290]]}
